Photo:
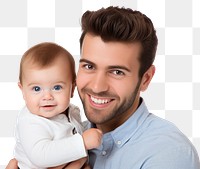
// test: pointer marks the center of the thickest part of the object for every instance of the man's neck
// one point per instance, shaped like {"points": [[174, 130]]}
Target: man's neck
{"points": [[120, 119]]}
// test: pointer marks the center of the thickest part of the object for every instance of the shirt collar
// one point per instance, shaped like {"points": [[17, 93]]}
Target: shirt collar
{"points": [[124, 132]]}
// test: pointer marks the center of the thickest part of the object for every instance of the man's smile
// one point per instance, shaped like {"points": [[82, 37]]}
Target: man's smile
{"points": [[99, 100]]}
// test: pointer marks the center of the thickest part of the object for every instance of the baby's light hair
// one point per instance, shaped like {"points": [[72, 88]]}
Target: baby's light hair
{"points": [[44, 54]]}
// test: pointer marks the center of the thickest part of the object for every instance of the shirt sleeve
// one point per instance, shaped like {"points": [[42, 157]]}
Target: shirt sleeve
{"points": [[41, 148]]}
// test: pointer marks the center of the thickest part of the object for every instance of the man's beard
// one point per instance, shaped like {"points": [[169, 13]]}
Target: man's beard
{"points": [[123, 108]]}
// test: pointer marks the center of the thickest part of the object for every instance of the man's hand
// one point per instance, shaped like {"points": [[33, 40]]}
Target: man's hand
{"points": [[78, 164], [12, 164]]}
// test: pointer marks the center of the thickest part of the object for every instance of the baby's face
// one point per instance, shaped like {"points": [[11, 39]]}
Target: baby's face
{"points": [[47, 91]]}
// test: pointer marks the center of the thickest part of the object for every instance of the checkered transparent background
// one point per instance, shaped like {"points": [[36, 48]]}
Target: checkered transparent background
{"points": [[174, 93]]}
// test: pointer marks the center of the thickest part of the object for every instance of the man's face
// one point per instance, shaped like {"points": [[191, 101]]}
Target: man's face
{"points": [[107, 80]]}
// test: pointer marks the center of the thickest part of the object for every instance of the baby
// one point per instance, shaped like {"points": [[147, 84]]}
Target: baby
{"points": [[49, 131]]}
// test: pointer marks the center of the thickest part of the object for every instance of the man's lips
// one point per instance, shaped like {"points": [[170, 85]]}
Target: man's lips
{"points": [[100, 101]]}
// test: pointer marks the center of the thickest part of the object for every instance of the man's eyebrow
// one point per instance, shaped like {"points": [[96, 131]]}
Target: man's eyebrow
{"points": [[109, 67], [85, 60], [119, 67]]}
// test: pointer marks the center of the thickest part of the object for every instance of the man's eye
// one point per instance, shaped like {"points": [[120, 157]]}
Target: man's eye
{"points": [[118, 72], [36, 88], [88, 66], [57, 87]]}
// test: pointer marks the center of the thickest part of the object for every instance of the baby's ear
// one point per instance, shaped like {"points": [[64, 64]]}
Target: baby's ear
{"points": [[21, 88], [73, 88]]}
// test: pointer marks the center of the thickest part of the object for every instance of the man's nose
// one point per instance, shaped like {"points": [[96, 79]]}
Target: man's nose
{"points": [[99, 82]]}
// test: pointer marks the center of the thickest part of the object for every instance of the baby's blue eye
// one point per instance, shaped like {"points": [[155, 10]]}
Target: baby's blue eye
{"points": [[57, 87], [36, 88]]}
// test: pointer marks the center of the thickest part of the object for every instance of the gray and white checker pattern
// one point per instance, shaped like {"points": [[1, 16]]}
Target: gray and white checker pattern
{"points": [[174, 93]]}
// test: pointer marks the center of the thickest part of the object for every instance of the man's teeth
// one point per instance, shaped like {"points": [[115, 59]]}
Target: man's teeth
{"points": [[99, 101]]}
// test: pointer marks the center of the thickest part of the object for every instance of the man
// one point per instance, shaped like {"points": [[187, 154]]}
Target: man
{"points": [[118, 47]]}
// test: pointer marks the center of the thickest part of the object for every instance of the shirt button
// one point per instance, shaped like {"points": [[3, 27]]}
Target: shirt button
{"points": [[119, 142], [103, 153]]}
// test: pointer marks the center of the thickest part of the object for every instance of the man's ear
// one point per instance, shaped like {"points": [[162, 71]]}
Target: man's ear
{"points": [[147, 77], [73, 88], [20, 85]]}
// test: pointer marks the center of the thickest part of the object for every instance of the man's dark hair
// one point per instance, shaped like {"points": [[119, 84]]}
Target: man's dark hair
{"points": [[123, 25]]}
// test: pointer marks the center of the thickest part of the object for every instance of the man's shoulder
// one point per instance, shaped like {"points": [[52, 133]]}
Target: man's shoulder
{"points": [[163, 131]]}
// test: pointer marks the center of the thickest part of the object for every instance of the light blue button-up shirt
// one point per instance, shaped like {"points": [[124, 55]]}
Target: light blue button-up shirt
{"points": [[145, 141]]}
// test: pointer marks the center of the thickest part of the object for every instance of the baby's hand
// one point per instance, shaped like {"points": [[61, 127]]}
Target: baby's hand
{"points": [[12, 164], [92, 138]]}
